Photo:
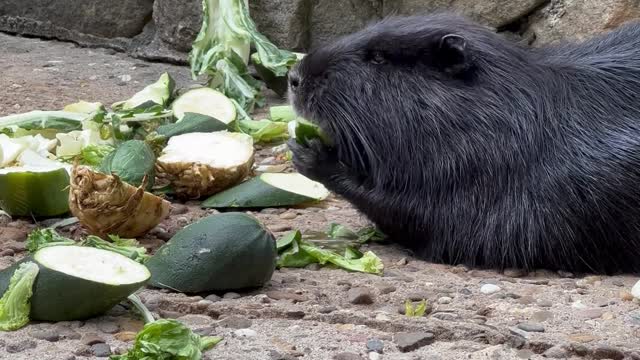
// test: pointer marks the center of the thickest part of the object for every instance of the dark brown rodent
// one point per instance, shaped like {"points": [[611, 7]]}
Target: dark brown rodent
{"points": [[471, 149]]}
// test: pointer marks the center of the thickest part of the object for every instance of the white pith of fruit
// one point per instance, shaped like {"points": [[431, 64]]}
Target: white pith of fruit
{"points": [[220, 149], [297, 184], [205, 101], [97, 265]]}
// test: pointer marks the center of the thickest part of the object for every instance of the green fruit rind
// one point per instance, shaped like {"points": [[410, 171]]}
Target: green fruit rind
{"points": [[269, 190], [59, 296], [34, 193], [228, 251]]}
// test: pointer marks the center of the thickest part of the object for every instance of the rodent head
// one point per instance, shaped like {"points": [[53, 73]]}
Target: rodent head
{"points": [[374, 85]]}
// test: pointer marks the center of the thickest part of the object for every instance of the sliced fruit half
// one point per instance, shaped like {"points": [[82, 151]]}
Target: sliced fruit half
{"points": [[77, 282], [202, 164], [269, 190], [205, 101]]}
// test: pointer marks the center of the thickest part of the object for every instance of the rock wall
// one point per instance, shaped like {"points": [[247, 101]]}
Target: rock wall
{"points": [[164, 29]]}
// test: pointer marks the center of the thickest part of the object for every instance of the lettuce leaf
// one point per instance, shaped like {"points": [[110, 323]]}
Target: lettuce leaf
{"points": [[42, 238], [295, 252], [127, 247], [130, 248], [15, 304], [168, 339], [264, 130]]}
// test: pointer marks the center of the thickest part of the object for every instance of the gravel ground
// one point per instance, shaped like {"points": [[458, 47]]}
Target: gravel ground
{"points": [[312, 313]]}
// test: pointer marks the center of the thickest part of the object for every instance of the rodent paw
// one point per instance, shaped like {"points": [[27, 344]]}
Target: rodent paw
{"points": [[314, 160]]}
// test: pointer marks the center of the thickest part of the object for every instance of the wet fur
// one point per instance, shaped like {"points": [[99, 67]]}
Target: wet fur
{"points": [[506, 157]]}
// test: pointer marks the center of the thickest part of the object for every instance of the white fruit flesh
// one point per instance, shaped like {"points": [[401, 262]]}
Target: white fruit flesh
{"points": [[297, 184], [205, 101], [102, 266], [220, 149]]}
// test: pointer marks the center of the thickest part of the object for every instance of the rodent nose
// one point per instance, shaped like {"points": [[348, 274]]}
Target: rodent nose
{"points": [[294, 79]]}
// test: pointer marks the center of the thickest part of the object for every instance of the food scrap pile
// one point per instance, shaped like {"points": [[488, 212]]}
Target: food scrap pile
{"points": [[116, 168]]}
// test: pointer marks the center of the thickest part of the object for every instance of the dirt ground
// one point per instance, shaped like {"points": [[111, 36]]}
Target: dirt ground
{"points": [[313, 313]]}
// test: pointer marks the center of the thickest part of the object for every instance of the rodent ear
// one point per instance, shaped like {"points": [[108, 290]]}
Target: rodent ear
{"points": [[453, 54]]}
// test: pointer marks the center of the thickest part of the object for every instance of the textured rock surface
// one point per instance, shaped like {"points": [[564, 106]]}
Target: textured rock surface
{"points": [[330, 19], [285, 22], [177, 22], [107, 19], [494, 13], [579, 19]]}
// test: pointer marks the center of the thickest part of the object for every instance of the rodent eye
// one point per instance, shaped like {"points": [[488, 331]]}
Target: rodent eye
{"points": [[377, 58]]}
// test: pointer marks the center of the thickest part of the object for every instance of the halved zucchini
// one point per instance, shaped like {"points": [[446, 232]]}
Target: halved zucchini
{"points": [[77, 282], [269, 190], [205, 101]]}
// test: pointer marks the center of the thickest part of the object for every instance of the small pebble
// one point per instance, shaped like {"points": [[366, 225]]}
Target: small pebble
{"points": [[542, 316], [245, 333], [286, 295], [531, 327], [556, 352], [360, 296], [108, 327], [446, 316], [514, 273], [231, 296], [20, 346], [565, 274], [445, 300], [407, 342], [235, 322], [346, 356], [591, 313], [101, 350], [402, 262], [545, 303], [125, 336], [526, 300], [375, 345], [374, 356], [288, 215], [92, 339], [466, 292], [608, 316], [7, 252], [386, 288], [327, 309], [48, 335], [213, 298], [489, 289]]}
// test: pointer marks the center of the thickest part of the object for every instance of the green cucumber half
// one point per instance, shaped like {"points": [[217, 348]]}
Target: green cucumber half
{"points": [[205, 101], [78, 282], [269, 190], [34, 191], [221, 252]]}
